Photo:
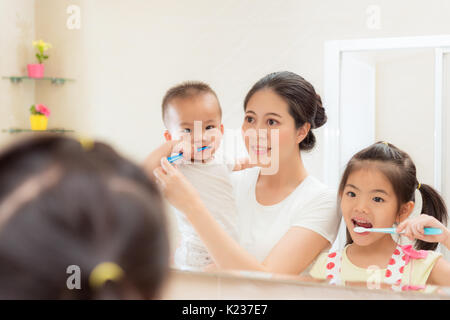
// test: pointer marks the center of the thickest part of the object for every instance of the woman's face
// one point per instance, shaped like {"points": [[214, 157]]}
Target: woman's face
{"points": [[269, 130]]}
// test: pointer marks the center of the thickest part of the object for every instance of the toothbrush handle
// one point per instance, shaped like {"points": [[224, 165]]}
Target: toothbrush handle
{"points": [[180, 155], [431, 231], [426, 231], [175, 157], [383, 230]]}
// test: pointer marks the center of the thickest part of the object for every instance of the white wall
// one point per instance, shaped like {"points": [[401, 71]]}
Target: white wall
{"points": [[405, 107], [128, 52], [17, 32], [69, 103]]}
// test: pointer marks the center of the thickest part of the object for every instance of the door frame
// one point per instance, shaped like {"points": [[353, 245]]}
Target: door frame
{"points": [[333, 51]]}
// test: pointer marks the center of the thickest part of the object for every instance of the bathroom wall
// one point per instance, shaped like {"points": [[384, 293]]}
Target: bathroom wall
{"points": [[126, 53], [17, 33], [405, 106]]}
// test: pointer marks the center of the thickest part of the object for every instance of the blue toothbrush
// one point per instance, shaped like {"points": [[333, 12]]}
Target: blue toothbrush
{"points": [[180, 155], [426, 231]]}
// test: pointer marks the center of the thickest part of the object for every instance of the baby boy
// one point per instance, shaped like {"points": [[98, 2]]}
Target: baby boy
{"points": [[191, 112]]}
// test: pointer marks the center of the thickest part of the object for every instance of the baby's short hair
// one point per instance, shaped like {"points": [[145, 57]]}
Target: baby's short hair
{"points": [[187, 89]]}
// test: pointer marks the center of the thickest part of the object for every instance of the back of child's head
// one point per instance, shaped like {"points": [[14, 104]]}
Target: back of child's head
{"points": [[63, 205], [398, 167], [186, 90]]}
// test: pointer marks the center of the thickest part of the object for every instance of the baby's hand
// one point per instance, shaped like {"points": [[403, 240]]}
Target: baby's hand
{"points": [[243, 163], [414, 229]]}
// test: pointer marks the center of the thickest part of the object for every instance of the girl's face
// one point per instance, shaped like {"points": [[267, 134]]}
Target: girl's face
{"points": [[368, 200], [279, 138]]}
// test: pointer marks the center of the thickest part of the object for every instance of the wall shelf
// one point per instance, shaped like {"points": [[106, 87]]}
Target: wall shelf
{"points": [[53, 80], [19, 130], [19, 79]]}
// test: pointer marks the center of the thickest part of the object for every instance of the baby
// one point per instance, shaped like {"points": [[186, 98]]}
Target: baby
{"points": [[192, 113]]}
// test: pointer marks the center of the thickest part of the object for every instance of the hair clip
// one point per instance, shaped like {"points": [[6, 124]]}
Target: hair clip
{"points": [[386, 143], [86, 143], [418, 187], [105, 271]]}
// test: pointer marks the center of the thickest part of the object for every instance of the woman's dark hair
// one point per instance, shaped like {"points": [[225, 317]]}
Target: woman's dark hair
{"points": [[398, 167], [64, 205], [305, 105]]}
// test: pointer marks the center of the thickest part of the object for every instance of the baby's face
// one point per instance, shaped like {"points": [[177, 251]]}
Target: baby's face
{"points": [[369, 201], [197, 119]]}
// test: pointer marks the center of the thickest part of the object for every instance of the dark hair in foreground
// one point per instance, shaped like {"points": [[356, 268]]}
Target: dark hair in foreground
{"points": [[62, 205], [398, 167], [305, 105]]}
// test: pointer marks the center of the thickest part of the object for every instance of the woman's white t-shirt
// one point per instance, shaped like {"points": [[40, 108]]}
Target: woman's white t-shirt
{"points": [[312, 205]]}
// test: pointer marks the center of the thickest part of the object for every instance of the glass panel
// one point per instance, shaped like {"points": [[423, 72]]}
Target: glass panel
{"points": [[18, 130], [14, 79]]}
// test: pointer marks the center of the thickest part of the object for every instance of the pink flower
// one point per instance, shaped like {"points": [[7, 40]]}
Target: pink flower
{"points": [[43, 109]]}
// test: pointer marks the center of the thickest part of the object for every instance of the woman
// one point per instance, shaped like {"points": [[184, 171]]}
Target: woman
{"points": [[286, 217]]}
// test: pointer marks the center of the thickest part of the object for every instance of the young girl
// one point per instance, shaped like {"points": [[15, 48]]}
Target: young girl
{"points": [[379, 189]]}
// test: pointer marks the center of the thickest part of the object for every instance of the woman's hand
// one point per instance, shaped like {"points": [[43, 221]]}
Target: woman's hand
{"points": [[176, 188], [414, 229], [168, 148]]}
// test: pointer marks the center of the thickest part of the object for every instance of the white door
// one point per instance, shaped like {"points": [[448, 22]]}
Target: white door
{"points": [[446, 137], [356, 114]]}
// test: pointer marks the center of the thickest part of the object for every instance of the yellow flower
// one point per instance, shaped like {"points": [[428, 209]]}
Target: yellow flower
{"points": [[41, 45]]}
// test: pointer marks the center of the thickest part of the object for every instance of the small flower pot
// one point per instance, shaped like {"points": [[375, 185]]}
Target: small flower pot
{"points": [[36, 70], [38, 122]]}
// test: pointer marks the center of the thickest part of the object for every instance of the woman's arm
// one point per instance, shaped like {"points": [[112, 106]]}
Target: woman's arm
{"points": [[291, 255]]}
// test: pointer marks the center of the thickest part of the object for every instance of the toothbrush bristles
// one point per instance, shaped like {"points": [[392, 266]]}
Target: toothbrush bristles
{"points": [[359, 229]]}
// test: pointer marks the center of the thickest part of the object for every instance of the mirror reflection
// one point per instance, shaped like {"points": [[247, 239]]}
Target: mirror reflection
{"points": [[295, 146]]}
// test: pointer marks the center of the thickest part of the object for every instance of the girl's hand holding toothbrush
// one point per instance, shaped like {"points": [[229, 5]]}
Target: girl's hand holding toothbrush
{"points": [[414, 229]]}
